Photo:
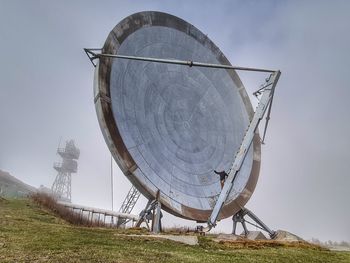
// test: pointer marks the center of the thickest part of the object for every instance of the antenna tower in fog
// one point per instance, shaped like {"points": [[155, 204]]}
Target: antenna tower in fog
{"points": [[61, 187]]}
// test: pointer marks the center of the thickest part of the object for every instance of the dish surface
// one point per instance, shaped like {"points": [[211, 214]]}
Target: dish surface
{"points": [[169, 126]]}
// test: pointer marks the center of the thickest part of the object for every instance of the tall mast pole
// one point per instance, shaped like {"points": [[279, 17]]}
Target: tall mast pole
{"points": [[112, 185]]}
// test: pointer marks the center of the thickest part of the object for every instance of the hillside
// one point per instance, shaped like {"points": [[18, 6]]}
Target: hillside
{"points": [[28, 233], [12, 187]]}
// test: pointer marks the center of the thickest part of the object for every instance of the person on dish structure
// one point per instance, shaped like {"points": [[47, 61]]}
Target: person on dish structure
{"points": [[223, 175]]}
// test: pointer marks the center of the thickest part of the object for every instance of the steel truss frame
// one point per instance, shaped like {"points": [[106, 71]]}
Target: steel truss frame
{"points": [[61, 187], [239, 217], [128, 205]]}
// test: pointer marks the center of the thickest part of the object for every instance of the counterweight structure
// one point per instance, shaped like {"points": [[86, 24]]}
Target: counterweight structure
{"points": [[61, 187]]}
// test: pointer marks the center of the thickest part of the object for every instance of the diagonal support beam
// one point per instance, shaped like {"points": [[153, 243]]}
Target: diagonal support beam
{"points": [[264, 102]]}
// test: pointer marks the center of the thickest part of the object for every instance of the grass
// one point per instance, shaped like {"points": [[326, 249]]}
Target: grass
{"points": [[29, 233]]}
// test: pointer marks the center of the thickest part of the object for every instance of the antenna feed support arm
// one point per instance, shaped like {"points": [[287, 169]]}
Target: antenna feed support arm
{"points": [[264, 104]]}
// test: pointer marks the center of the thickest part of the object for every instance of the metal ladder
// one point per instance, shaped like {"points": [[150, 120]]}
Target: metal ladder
{"points": [[128, 205]]}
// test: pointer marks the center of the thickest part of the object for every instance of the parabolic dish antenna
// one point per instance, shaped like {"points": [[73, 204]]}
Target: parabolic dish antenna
{"points": [[169, 126]]}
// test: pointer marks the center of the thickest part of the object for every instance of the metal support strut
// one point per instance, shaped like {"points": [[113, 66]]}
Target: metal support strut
{"points": [[239, 218], [93, 55], [152, 212], [267, 94]]}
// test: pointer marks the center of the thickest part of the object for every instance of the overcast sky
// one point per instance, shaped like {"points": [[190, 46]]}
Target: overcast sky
{"points": [[46, 93]]}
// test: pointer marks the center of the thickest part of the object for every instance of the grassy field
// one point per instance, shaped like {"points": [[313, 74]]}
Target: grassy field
{"points": [[29, 233]]}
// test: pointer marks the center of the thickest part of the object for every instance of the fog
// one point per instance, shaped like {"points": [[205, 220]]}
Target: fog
{"points": [[46, 94]]}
